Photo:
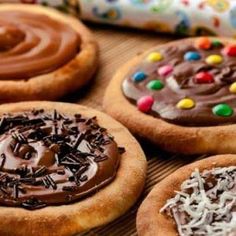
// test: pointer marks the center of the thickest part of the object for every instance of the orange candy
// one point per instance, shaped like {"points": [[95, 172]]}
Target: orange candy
{"points": [[203, 43]]}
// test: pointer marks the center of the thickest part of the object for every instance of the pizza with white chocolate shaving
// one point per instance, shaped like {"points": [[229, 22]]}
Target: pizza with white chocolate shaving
{"points": [[197, 199]]}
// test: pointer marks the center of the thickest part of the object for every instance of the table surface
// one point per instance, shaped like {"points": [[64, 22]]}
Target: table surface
{"points": [[117, 45]]}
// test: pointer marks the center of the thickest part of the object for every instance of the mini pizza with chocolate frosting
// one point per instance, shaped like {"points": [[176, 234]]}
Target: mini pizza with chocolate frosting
{"points": [[64, 169], [197, 199], [44, 54], [180, 95]]}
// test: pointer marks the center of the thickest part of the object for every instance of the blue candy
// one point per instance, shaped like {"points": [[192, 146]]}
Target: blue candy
{"points": [[233, 16], [139, 76], [192, 56]]}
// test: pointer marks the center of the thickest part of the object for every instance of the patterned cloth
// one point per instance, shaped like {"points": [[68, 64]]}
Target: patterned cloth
{"points": [[183, 17]]}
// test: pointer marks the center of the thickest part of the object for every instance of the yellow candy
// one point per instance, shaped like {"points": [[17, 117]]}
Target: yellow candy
{"points": [[186, 103], [154, 57], [214, 59], [232, 88]]}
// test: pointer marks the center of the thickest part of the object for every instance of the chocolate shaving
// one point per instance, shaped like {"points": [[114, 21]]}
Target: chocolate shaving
{"points": [[40, 171], [16, 148], [4, 191], [2, 122], [55, 117], [60, 172], [69, 188], [28, 180], [3, 176], [83, 178], [121, 150], [33, 204], [15, 190], [78, 140], [3, 157], [100, 158], [73, 150], [51, 182]]}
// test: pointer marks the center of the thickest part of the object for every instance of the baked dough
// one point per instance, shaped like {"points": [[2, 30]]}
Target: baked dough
{"points": [[172, 137], [100, 208], [149, 219], [65, 79]]}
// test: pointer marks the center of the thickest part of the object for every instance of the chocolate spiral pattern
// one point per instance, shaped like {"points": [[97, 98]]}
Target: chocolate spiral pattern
{"points": [[185, 84], [52, 159], [34, 44]]}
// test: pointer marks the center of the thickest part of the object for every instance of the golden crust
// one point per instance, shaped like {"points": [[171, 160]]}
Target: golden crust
{"points": [[149, 220], [102, 207], [189, 140], [64, 80]]}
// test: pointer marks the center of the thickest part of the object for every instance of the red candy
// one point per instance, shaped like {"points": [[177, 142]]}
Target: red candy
{"points": [[203, 78], [230, 51], [145, 103]]}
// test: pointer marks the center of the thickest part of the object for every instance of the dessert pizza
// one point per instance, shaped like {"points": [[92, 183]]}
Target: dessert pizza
{"points": [[44, 54], [197, 199], [64, 169], [180, 95]]}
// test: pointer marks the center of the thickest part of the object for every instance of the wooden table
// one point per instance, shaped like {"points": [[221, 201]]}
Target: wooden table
{"points": [[117, 45]]}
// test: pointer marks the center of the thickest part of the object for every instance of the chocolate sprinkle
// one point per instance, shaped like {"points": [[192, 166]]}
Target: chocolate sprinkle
{"points": [[52, 157], [3, 156], [121, 150]]}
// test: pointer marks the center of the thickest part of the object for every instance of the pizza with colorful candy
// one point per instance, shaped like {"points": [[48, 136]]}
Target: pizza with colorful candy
{"points": [[191, 84], [180, 95]]}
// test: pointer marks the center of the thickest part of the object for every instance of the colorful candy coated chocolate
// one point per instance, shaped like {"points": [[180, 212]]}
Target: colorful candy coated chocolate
{"points": [[203, 43], [192, 56], [222, 110], [155, 85], [214, 59], [145, 103], [217, 43], [186, 103], [139, 76], [203, 78], [154, 57], [165, 70], [232, 88], [230, 51]]}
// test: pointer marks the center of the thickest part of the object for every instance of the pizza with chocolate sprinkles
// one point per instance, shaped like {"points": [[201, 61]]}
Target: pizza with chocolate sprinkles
{"points": [[48, 158], [64, 169]]}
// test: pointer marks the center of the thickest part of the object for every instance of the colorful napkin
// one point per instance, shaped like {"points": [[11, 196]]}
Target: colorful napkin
{"points": [[184, 17]]}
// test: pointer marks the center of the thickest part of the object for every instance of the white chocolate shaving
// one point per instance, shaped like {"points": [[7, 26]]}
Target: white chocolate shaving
{"points": [[205, 204]]}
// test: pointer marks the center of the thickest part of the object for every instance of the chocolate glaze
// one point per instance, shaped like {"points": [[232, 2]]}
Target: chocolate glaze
{"points": [[181, 85], [52, 159], [34, 44]]}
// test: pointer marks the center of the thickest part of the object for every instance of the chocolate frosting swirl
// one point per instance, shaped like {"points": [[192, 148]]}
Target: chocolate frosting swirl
{"points": [[34, 44], [180, 84], [53, 159]]}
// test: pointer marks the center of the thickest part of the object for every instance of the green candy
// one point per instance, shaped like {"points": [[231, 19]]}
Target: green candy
{"points": [[155, 85], [216, 43], [223, 110]]}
